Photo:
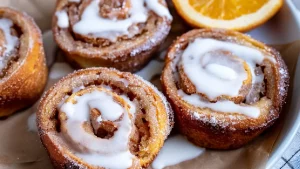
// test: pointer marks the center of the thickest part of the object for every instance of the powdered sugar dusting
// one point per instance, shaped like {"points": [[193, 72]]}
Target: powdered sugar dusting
{"points": [[283, 87]]}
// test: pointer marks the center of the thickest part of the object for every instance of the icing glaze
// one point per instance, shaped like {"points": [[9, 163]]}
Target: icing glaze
{"points": [[92, 23], [218, 69], [11, 42], [221, 71], [214, 86], [159, 9], [117, 161], [170, 154], [106, 105], [221, 106], [109, 150], [62, 19]]}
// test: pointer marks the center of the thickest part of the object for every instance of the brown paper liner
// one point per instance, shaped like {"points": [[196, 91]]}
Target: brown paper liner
{"points": [[18, 87]]}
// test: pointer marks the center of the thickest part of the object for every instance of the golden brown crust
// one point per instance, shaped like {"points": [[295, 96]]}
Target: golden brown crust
{"points": [[219, 130], [126, 54], [151, 105], [26, 77]]}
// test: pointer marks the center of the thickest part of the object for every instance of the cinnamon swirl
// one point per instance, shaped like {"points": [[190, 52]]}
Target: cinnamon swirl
{"points": [[110, 33], [103, 118], [22, 61], [225, 87]]}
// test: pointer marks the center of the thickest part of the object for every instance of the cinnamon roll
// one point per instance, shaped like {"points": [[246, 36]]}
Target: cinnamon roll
{"points": [[22, 61], [110, 33], [103, 118], [225, 87]]}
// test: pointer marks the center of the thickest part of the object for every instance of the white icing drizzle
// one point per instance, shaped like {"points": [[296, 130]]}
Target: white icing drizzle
{"points": [[176, 150], [74, 1], [114, 161], [214, 86], [10, 42], [216, 75], [62, 19], [92, 23], [221, 106], [153, 68], [102, 152], [109, 109], [158, 8], [221, 71]]}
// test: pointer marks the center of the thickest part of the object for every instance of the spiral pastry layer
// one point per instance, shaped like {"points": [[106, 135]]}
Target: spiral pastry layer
{"points": [[119, 33], [22, 61], [103, 118], [225, 87]]}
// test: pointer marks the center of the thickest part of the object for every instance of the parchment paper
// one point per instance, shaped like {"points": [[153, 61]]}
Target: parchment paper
{"points": [[22, 149]]}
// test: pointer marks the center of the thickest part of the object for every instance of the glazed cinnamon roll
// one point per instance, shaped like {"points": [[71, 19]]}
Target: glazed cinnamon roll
{"points": [[225, 87], [110, 33], [22, 61], [103, 118]]}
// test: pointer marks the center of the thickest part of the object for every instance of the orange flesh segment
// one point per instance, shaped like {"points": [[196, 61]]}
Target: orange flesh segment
{"points": [[226, 9]]}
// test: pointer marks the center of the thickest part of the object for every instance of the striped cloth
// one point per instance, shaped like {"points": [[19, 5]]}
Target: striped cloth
{"points": [[291, 157]]}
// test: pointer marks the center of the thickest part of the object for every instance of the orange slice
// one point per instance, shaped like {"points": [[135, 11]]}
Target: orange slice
{"points": [[240, 15]]}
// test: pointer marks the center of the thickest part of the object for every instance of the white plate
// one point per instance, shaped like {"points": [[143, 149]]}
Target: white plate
{"points": [[282, 29]]}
